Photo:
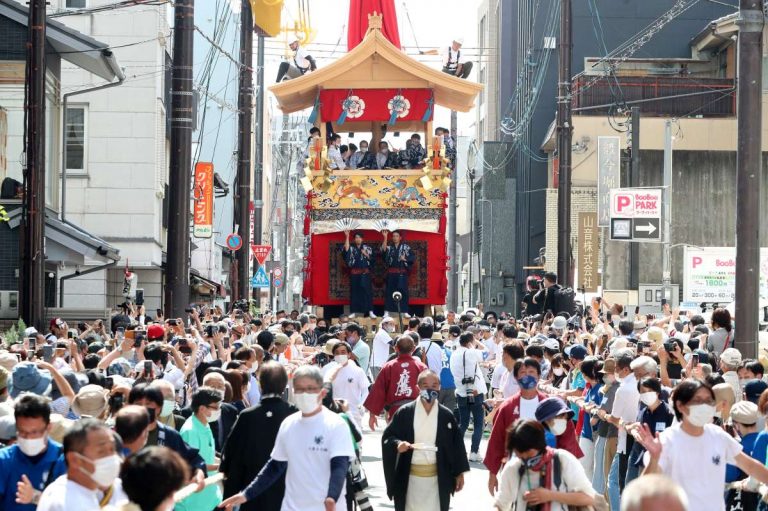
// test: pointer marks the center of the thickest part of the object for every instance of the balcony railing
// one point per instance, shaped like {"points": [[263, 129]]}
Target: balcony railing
{"points": [[678, 96]]}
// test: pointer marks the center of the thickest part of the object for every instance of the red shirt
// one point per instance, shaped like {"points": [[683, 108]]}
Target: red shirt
{"points": [[396, 383], [508, 413]]}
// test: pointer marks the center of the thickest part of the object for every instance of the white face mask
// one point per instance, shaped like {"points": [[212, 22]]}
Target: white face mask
{"points": [[389, 328], [168, 406], [214, 415], [105, 470], [307, 403], [363, 149], [341, 359], [558, 371], [254, 368], [32, 446], [648, 398], [608, 379], [558, 426], [701, 415]]}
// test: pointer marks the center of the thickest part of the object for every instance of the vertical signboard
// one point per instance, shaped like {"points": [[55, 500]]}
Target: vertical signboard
{"points": [[203, 199], [588, 252], [608, 175]]}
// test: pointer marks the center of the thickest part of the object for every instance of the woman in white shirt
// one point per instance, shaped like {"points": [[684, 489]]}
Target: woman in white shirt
{"points": [[539, 475], [694, 445]]}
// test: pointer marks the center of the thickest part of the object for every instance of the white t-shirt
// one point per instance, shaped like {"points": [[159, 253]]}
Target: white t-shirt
{"points": [[66, 495], [697, 463], [492, 347], [433, 353], [512, 489], [465, 363], [308, 445], [350, 384], [626, 405], [380, 348], [528, 407]]}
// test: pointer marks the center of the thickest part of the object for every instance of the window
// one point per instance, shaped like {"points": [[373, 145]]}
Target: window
{"points": [[75, 4], [75, 126]]}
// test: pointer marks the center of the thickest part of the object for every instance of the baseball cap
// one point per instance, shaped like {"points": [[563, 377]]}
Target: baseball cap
{"points": [[731, 356], [754, 389], [459, 40], [552, 344], [91, 400], [559, 323], [30, 331], [744, 412], [119, 367], [576, 351], [26, 377], [655, 335], [155, 331], [551, 408]]}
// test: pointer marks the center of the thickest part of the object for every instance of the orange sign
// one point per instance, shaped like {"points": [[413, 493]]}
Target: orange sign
{"points": [[203, 200]]}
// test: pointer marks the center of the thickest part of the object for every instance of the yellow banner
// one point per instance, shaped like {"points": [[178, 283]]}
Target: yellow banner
{"points": [[374, 189]]}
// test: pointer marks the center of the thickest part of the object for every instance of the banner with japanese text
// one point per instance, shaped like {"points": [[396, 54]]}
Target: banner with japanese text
{"points": [[588, 252], [203, 200]]}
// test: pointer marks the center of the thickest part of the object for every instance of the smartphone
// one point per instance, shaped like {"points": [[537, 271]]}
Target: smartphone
{"points": [[225, 342], [663, 302], [695, 359], [32, 342], [70, 335], [147, 368], [608, 316], [189, 310], [637, 310], [48, 353], [171, 322], [137, 342], [120, 333]]}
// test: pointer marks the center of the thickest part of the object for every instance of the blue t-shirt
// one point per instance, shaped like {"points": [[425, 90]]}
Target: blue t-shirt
{"points": [[748, 445], [41, 470], [761, 447], [593, 396], [446, 378]]}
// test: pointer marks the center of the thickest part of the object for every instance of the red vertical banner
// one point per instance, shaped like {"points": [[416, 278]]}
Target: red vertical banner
{"points": [[555, 172], [203, 199]]}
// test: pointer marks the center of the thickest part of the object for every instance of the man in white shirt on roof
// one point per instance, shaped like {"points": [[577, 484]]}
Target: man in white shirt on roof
{"points": [[299, 64], [451, 55]]}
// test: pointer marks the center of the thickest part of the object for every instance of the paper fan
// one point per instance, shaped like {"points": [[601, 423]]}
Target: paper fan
{"points": [[384, 225], [347, 224]]}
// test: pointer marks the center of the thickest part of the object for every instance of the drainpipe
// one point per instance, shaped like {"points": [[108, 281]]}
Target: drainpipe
{"points": [[112, 62], [77, 274]]}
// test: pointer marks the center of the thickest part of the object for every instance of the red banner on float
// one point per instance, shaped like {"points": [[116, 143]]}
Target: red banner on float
{"points": [[376, 104], [203, 200]]}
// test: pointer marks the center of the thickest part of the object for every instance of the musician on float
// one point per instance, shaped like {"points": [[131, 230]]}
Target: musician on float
{"points": [[398, 258], [359, 258]]}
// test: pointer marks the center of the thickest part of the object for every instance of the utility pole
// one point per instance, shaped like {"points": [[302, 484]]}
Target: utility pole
{"points": [[564, 134], [244, 124], [453, 266], [471, 173], [666, 202], [180, 174], [258, 201], [286, 172], [32, 232], [634, 181], [748, 174]]}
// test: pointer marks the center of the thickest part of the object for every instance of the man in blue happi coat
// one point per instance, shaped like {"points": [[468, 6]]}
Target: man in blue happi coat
{"points": [[398, 258], [359, 259]]}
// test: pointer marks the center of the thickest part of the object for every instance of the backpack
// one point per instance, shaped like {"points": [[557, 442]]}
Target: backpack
{"points": [[565, 301], [600, 504]]}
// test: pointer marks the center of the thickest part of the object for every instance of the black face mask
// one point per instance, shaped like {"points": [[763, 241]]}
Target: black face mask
{"points": [[322, 329], [289, 333]]}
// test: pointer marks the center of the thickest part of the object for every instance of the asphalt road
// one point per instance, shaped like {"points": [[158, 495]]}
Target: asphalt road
{"points": [[473, 497]]}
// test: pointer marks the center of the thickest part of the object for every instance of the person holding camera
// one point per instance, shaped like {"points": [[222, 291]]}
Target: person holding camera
{"points": [[547, 297], [470, 389]]}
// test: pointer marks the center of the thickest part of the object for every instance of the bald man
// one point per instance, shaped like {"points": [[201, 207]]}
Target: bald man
{"points": [[132, 424], [652, 492]]}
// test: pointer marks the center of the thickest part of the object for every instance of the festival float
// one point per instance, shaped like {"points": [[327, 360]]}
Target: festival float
{"points": [[376, 88]]}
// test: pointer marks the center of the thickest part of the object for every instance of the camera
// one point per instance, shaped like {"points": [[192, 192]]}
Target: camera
{"points": [[669, 346]]}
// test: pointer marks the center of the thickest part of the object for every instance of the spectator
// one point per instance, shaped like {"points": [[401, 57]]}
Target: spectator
{"points": [[654, 492], [470, 389], [163, 467]]}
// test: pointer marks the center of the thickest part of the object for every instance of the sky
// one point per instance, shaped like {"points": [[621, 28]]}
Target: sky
{"points": [[435, 23]]}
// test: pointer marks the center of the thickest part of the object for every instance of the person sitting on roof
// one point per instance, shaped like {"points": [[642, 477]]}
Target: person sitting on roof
{"points": [[452, 58], [299, 65]]}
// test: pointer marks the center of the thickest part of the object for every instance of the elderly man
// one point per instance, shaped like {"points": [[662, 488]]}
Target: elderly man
{"points": [[423, 452], [300, 63], [652, 492]]}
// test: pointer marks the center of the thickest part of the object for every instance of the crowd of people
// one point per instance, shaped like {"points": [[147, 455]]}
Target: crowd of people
{"points": [[598, 410]]}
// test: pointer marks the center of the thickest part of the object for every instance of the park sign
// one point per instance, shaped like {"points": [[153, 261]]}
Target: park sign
{"points": [[709, 274], [636, 214]]}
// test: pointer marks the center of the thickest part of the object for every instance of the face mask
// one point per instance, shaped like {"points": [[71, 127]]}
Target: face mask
{"points": [[214, 415], [533, 461], [306, 403], [609, 379], [428, 395], [363, 149], [558, 371], [701, 415], [168, 406], [648, 398], [289, 333], [617, 377], [389, 329], [312, 326], [341, 359], [32, 446], [322, 329], [528, 382], [558, 426], [105, 470]]}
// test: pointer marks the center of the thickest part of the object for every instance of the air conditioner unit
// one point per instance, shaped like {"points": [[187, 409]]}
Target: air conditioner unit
{"points": [[9, 304]]}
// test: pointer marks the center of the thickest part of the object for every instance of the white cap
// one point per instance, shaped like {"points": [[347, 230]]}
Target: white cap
{"points": [[459, 40]]}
